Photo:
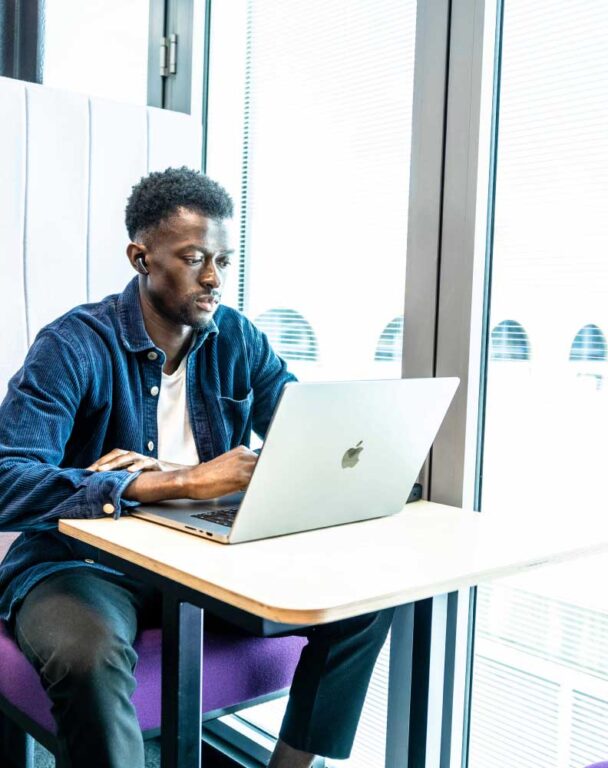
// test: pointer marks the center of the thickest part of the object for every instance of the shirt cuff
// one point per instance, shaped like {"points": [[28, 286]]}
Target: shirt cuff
{"points": [[104, 493]]}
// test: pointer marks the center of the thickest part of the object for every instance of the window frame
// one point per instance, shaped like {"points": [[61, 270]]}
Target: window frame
{"points": [[22, 40], [450, 336]]}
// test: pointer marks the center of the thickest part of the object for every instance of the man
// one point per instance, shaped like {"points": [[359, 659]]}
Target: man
{"points": [[146, 396]]}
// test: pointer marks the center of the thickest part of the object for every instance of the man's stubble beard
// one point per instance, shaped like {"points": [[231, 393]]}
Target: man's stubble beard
{"points": [[198, 324], [185, 315]]}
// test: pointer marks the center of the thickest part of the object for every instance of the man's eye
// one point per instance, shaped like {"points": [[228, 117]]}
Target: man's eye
{"points": [[223, 263], [193, 260]]}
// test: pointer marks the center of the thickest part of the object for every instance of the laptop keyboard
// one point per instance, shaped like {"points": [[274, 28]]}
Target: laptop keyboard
{"points": [[219, 516]]}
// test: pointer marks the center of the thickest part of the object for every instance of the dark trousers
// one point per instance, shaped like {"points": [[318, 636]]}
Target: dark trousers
{"points": [[77, 628]]}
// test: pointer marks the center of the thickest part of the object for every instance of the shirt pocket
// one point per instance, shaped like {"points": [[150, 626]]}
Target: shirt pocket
{"points": [[237, 419]]}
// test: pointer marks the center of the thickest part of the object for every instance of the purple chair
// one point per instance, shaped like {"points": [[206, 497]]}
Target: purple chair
{"points": [[598, 765], [239, 671]]}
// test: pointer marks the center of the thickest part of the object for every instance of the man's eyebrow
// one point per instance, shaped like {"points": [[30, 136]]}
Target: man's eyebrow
{"points": [[206, 251]]}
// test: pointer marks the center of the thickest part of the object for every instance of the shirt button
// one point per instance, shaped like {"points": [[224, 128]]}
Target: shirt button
{"points": [[154, 391], [88, 560], [150, 447], [152, 355], [108, 509]]}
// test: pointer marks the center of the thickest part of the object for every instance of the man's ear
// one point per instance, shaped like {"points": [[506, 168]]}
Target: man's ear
{"points": [[136, 253]]}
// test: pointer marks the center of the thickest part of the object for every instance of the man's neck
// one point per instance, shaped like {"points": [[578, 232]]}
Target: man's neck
{"points": [[173, 339]]}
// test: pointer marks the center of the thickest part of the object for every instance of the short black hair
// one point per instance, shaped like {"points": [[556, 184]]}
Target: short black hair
{"points": [[160, 194]]}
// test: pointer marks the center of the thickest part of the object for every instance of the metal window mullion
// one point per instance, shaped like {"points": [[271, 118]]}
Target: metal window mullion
{"points": [[426, 187], [461, 306], [156, 32], [206, 63], [177, 86], [487, 142], [182, 25], [441, 297], [456, 280], [22, 40], [423, 741]]}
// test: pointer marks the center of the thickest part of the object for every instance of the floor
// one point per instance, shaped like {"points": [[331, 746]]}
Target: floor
{"points": [[212, 759]]}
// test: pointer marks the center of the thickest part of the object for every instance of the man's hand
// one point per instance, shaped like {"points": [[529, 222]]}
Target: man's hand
{"points": [[132, 462], [225, 474]]}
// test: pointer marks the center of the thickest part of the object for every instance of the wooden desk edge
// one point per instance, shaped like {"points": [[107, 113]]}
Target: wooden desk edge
{"points": [[287, 615], [280, 615], [272, 613]]}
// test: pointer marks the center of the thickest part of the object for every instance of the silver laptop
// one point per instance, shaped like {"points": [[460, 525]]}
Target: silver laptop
{"points": [[335, 452]]}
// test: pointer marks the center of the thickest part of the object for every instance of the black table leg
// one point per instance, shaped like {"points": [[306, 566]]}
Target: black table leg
{"points": [[182, 667], [421, 683], [400, 688]]}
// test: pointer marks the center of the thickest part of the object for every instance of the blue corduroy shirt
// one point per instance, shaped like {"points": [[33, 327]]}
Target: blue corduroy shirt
{"points": [[83, 390]]}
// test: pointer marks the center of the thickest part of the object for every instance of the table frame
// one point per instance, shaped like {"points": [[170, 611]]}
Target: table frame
{"points": [[444, 550], [182, 665]]}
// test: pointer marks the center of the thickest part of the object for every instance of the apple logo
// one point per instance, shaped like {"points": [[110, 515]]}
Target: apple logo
{"points": [[351, 457]]}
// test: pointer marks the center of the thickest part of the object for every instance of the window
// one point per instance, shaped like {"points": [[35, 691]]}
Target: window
{"points": [[99, 47], [540, 677], [309, 128], [509, 341], [589, 344], [289, 333]]}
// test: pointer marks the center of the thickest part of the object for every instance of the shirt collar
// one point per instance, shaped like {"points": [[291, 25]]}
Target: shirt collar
{"points": [[132, 329]]}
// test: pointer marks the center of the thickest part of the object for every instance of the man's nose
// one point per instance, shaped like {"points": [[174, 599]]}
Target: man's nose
{"points": [[210, 276]]}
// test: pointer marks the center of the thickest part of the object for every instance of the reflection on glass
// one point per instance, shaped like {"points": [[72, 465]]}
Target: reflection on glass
{"points": [[289, 333], [390, 343], [509, 341], [589, 344]]}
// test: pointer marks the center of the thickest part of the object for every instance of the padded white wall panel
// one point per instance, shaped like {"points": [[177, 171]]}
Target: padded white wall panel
{"points": [[119, 152], [13, 331], [67, 165], [174, 139], [66, 169], [56, 203]]}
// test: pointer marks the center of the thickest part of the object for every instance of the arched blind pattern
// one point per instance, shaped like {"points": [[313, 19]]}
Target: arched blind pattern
{"points": [[390, 343], [290, 334], [589, 344], [509, 341]]}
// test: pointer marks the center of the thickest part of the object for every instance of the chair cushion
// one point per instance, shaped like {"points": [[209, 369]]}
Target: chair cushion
{"points": [[237, 668]]}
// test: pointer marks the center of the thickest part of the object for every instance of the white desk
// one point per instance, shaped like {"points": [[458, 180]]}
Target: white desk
{"points": [[320, 576]]}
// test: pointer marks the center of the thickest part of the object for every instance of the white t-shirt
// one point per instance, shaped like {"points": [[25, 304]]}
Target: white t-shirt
{"points": [[175, 438]]}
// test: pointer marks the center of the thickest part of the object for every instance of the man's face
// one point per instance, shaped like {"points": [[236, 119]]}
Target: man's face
{"points": [[187, 258]]}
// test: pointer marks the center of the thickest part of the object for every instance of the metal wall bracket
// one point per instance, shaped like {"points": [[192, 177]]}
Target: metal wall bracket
{"points": [[164, 57], [173, 54], [168, 55]]}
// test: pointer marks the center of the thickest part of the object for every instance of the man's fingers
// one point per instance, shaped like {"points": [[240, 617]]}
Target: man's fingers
{"points": [[118, 462], [107, 457], [145, 465]]}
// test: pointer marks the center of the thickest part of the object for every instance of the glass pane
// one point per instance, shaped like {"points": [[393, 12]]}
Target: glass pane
{"points": [[310, 128], [540, 684], [98, 47], [323, 174]]}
